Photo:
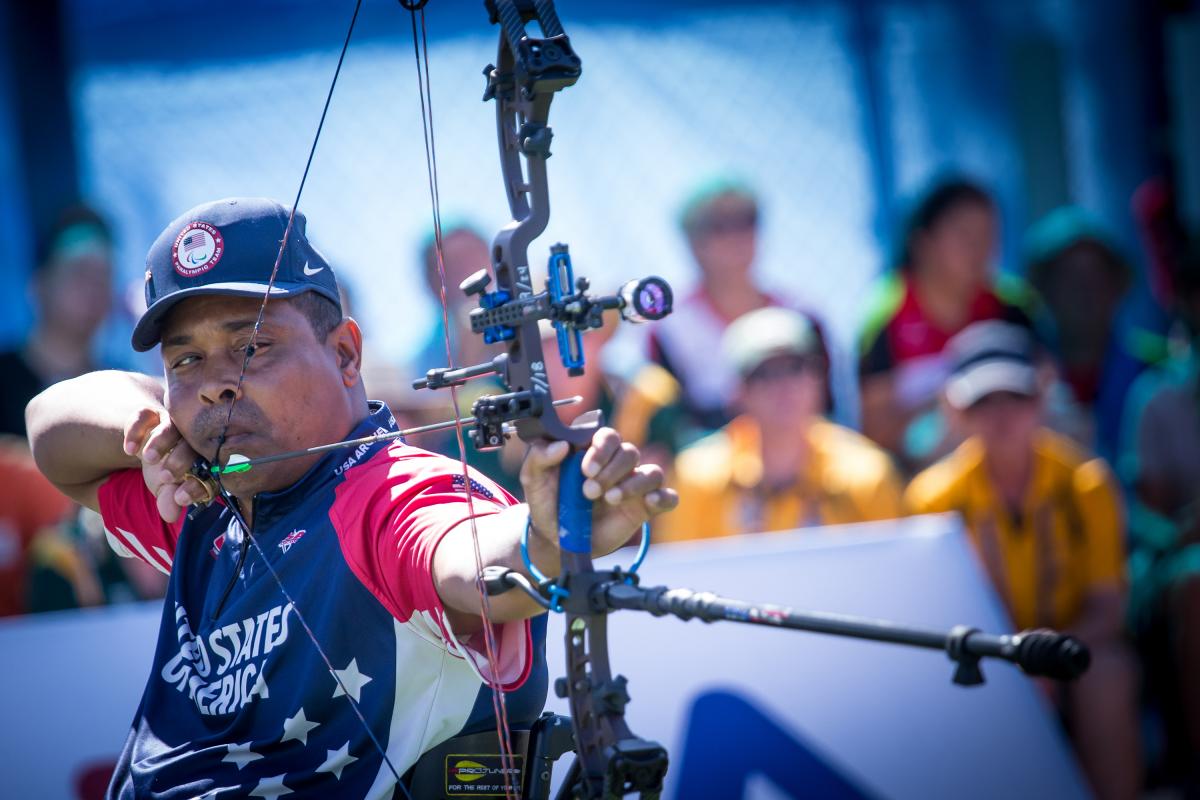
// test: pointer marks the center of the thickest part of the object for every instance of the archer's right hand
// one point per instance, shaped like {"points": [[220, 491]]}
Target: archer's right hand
{"points": [[166, 462]]}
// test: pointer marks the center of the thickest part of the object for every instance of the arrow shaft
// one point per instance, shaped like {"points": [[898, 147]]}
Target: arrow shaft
{"points": [[433, 427]]}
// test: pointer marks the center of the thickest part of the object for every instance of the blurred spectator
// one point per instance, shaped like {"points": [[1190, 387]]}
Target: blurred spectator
{"points": [[72, 291], [720, 222], [943, 282], [1047, 525], [464, 252], [593, 386], [780, 465], [1160, 461], [28, 503], [1085, 282], [73, 566], [649, 414], [642, 407]]}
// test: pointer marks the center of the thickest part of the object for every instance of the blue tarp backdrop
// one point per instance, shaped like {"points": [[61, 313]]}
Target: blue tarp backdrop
{"points": [[835, 109]]}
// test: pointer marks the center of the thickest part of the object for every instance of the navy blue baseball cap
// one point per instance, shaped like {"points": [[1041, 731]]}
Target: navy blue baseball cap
{"points": [[228, 247]]}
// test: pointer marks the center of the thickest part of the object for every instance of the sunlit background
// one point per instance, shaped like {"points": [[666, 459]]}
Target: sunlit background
{"points": [[836, 112]]}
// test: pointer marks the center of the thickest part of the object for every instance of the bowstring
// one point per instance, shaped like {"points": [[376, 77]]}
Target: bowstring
{"points": [[321, 652], [231, 501], [499, 704]]}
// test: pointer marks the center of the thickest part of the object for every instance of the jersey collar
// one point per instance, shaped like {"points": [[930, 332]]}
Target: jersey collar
{"points": [[270, 506]]}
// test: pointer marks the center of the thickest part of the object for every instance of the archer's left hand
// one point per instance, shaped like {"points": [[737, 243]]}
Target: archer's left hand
{"points": [[625, 492]]}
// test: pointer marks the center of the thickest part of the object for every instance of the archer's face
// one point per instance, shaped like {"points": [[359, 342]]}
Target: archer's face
{"points": [[294, 394]]}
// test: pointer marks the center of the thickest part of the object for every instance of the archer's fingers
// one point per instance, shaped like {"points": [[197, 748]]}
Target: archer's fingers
{"points": [[180, 460], [660, 501], [620, 465], [605, 444], [641, 482], [138, 428], [192, 491], [161, 441], [543, 457], [164, 498]]}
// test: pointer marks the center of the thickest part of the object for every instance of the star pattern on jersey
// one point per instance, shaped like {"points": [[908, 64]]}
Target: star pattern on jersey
{"points": [[352, 680], [271, 787], [337, 760], [297, 727], [241, 755]]}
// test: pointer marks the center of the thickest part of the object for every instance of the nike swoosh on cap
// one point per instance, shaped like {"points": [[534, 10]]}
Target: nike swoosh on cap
{"points": [[308, 271]]}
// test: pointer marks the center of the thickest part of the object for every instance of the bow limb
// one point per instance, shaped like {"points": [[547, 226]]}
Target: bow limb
{"points": [[611, 760], [528, 73]]}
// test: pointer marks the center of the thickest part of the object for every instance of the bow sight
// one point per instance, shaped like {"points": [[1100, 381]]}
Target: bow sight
{"points": [[499, 317]]}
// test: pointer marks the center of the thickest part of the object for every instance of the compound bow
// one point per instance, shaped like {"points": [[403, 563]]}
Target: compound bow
{"points": [[611, 761]]}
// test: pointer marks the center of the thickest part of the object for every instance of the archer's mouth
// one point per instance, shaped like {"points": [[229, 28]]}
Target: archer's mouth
{"points": [[233, 439]]}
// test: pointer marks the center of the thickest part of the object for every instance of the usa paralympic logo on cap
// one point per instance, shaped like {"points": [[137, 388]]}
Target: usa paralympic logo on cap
{"points": [[197, 249]]}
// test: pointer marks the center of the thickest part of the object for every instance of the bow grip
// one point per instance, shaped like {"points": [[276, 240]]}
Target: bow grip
{"points": [[574, 510]]}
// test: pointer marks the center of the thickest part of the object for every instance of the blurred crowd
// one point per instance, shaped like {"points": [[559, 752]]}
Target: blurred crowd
{"points": [[1056, 409]]}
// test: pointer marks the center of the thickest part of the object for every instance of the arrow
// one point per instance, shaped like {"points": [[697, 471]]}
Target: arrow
{"points": [[239, 463]]}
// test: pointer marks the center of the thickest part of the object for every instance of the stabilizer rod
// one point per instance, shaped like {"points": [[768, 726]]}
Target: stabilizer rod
{"points": [[1043, 653]]}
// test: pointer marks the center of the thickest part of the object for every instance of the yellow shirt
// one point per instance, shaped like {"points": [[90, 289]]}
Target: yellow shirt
{"points": [[1066, 540], [847, 479]]}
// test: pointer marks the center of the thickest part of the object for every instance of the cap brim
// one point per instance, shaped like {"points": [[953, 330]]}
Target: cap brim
{"points": [[990, 377], [148, 331]]}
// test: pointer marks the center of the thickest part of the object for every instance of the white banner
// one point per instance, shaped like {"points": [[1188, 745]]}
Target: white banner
{"points": [[70, 683], [744, 711]]}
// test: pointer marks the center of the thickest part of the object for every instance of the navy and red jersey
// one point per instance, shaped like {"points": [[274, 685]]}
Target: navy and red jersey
{"points": [[240, 703]]}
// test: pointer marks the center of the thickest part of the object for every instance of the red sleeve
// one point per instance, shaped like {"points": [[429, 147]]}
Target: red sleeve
{"points": [[131, 521], [390, 514]]}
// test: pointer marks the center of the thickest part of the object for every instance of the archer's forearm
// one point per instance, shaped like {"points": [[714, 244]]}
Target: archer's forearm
{"points": [[76, 426], [499, 545]]}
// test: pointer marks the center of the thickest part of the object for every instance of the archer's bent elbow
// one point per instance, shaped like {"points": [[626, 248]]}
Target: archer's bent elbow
{"points": [[74, 426]]}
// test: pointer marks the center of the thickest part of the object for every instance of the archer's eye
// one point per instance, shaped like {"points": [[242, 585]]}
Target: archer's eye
{"points": [[253, 348], [184, 361]]}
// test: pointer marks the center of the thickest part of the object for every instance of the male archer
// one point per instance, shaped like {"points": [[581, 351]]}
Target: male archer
{"points": [[371, 548]]}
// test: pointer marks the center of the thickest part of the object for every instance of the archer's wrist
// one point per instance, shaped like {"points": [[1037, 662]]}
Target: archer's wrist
{"points": [[543, 550]]}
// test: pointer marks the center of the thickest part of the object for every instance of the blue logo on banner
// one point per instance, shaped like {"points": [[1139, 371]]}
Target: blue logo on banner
{"points": [[728, 740]]}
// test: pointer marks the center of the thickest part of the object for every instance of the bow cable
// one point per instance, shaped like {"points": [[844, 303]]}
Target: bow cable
{"points": [[230, 500], [425, 94]]}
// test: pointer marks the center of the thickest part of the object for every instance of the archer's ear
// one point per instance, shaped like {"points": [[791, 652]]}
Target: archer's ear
{"points": [[346, 341]]}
